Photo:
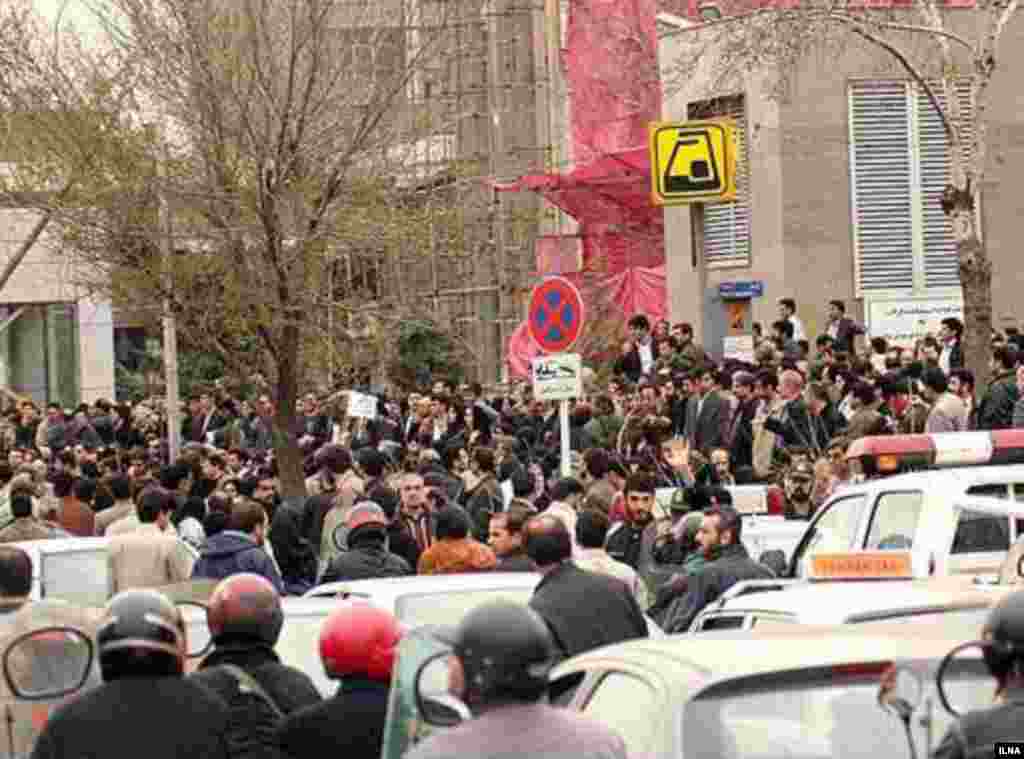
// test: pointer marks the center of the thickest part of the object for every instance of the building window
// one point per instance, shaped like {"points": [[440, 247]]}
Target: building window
{"points": [[725, 227], [899, 166]]}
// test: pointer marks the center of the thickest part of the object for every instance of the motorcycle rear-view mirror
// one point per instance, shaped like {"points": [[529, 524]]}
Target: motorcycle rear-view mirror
{"points": [[198, 640], [435, 703], [961, 667], [48, 663]]}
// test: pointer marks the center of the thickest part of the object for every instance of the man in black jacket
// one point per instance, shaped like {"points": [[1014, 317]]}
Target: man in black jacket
{"points": [[357, 646], [583, 610], [245, 620], [367, 556], [295, 555], [719, 536]]}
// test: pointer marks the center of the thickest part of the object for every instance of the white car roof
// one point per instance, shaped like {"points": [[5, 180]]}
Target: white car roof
{"points": [[838, 602], [957, 477], [387, 589]]}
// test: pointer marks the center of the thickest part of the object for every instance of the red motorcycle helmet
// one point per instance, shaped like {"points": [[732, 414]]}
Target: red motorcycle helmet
{"points": [[245, 607], [359, 640]]}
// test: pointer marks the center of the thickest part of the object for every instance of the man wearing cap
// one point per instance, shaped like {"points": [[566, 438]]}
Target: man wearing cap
{"points": [[365, 536]]}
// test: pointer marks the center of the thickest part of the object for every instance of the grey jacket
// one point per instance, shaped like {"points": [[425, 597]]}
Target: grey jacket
{"points": [[528, 731]]}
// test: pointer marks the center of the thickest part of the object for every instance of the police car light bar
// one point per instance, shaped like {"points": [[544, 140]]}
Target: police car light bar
{"points": [[888, 454], [862, 565]]}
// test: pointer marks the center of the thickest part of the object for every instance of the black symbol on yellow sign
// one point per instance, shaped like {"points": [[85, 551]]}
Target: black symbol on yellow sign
{"points": [[692, 166], [693, 162]]}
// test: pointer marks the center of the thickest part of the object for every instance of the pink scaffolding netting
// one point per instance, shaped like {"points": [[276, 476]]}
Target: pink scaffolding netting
{"points": [[611, 68]]}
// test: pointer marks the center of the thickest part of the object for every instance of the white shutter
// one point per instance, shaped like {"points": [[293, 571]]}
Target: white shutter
{"points": [[726, 226], [881, 151], [940, 260]]}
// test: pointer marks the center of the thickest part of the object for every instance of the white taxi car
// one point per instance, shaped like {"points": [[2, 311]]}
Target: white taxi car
{"points": [[856, 588]]}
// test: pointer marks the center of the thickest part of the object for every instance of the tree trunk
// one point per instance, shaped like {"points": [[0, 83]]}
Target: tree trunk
{"points": [[975, 279], [286, 446]]}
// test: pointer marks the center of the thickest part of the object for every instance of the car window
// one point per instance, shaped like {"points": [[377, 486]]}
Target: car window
{"points": [[834, 531], [977, 532], [81, 577], [721, 622], [416, 609], [894, 521], [625, 703], [991, 490], [772, 621], [812, 717]]}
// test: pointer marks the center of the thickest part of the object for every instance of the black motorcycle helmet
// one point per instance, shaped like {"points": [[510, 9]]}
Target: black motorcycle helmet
{"points": [[245, 609], [141, 634], [1004, 633], [506, 652]]}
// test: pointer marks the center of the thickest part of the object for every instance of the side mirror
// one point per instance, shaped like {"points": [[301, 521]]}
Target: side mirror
{"points": [[775, 560], [48, 663], [900, 692], [436, 705], [965, 659], [198, 640]]}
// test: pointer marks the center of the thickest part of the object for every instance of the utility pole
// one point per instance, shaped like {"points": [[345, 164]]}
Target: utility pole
{"points": [[170, 326]]}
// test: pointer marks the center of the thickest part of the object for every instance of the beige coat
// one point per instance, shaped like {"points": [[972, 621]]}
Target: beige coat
{"points": [[147, 558]]}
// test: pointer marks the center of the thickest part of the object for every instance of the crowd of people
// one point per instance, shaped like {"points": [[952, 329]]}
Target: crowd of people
{"points": [[455, 479], [446, 479]]}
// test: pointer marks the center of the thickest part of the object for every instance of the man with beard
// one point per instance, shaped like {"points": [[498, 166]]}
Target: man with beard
{"points": [[625, 538], [719, 537], [799, 486]]}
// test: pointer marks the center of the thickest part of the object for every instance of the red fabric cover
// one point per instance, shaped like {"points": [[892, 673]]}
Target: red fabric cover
{"points": [[611, 66]]}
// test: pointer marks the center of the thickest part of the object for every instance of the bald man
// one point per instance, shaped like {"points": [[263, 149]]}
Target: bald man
{"points": [[583, 610]]}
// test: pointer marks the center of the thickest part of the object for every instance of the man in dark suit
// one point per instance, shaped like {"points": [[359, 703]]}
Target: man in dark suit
{"points": [[707, 414], [583, 610], [841, 329], [639, 354]]}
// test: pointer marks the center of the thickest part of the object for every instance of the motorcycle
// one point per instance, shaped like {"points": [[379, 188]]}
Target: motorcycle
{"points": [[45, 667]]}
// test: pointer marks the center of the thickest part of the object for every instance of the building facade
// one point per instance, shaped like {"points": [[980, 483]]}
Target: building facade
{"points": [[56, 346], [838, 198]]}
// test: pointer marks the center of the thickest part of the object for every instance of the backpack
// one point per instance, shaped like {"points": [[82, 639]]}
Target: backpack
{"points": [[253, 718]]}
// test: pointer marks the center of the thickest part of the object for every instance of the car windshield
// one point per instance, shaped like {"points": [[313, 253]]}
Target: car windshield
{"points": [[81, 577], [415, 610], [834, 717]]}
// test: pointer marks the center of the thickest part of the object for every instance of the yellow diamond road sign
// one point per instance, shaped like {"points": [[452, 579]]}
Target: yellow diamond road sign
{"points": [[693, 162]]}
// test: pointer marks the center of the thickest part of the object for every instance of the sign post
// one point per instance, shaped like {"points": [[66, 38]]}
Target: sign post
{"points": [[555, 321]]}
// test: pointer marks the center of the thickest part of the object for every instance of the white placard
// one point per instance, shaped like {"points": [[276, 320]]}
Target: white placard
{"points": [[902, 321], [738, 348], [361, 405], [557, 377]]}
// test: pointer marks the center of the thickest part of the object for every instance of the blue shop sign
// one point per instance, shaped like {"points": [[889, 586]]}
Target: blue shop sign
{"points": [[753, 289]]}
